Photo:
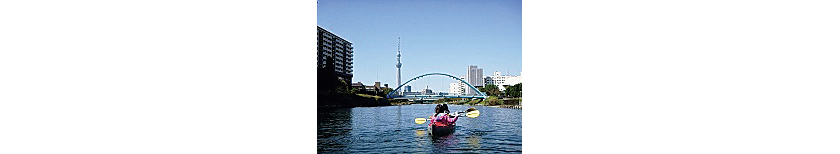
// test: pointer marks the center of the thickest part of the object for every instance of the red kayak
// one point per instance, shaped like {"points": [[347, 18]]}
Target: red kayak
{"points": [[440, 129]]}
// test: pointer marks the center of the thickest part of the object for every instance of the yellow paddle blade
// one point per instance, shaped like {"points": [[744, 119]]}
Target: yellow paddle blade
{"points": [[473, 114], [420, 120]]}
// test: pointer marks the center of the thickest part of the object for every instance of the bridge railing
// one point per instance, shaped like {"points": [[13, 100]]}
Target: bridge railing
{"points": [[439, 96]]}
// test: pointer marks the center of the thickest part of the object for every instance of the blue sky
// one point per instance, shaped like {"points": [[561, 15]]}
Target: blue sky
{"points": [[437, 36]]}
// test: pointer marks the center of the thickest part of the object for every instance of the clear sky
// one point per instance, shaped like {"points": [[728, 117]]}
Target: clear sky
{"points": [[437, 36]]}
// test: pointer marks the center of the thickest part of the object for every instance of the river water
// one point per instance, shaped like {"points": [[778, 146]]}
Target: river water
{"points": [[391, 129]]}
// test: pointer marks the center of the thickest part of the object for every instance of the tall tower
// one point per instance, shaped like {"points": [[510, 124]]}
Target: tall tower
{"points": [[399, 64]]}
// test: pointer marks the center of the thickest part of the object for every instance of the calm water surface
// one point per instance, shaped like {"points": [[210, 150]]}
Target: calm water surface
{"points": [[391, 129]]}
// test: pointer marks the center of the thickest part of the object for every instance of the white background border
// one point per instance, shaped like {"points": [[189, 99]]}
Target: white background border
{"points": [[600, 76]]}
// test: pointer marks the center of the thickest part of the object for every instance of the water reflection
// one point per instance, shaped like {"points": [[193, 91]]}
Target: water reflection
{"points": [[399, 118], [420, 133], [443, 143], [334, 126], [420, 141], [474, 141]]}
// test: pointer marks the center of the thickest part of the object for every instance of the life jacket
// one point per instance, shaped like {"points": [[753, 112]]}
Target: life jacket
{"points": [[440, 123]]}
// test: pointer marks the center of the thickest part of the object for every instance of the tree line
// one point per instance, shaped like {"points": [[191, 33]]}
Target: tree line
{"points": [[514, 91]]}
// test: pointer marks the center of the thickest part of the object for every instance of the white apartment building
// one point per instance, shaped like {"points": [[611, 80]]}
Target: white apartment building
{"points": [[455, 88], [500, 81], [458, 87]]}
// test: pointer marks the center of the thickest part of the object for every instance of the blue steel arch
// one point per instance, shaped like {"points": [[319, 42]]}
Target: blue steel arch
{"points": [[390, 95]]}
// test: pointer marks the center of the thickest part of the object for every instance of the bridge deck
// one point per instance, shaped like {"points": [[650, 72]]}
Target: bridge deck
{"points": [[438, 96]]}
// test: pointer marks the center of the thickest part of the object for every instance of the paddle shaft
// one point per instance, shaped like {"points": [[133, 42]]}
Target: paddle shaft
{"points": [[473, 113]]}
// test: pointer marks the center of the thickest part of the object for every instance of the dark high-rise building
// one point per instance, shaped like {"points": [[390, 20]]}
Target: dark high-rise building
{"points": [[339, 50]]}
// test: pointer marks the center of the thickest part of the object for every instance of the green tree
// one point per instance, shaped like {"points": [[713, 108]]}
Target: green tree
{"points": [[354, 90], [491, 90], [514, 91], [493, 101], [343, 87], [385, 91], [474, 101]]}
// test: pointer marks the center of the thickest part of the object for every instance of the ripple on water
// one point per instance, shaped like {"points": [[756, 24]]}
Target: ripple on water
{"points": [[392, 130]]}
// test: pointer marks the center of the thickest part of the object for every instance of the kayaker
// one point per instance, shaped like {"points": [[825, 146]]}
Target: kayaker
{"points": [[445, 109], [441, 116]]}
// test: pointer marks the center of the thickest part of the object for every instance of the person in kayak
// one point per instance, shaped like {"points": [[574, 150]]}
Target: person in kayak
{"points": [[445, 108], [441, 116]]}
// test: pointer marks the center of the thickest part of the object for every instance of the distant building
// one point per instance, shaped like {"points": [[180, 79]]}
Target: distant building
{"points": [[412, 93], [455, 88], [427, 91], [376, 88], [475, 77], [458, 88], [407, 88], [358, 85], [463, 85], [501, 81], [338, 49]]}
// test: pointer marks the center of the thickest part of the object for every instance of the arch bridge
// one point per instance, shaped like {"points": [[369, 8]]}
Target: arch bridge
{"points": [[394, 93]]}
